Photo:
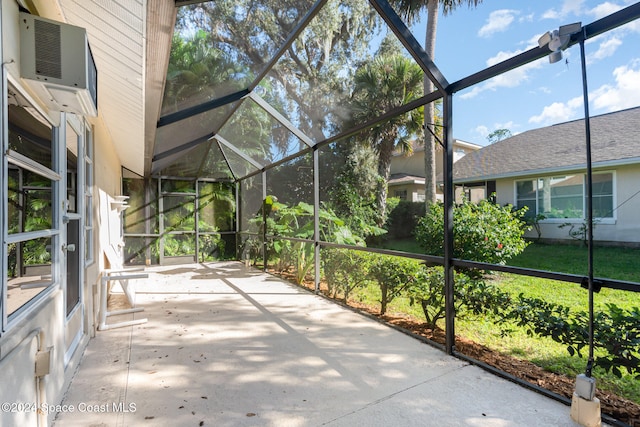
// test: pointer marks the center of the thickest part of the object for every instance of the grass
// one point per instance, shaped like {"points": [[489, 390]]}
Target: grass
{"points": [[609, 262], [405, 245]]}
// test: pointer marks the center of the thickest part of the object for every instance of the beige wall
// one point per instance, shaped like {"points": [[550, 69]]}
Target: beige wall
{"points": [[414, 164], [43, 325], [413, 191]]}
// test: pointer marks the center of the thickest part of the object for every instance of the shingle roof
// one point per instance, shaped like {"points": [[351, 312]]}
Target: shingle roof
{"points": [[615, 139], [405, 178]]}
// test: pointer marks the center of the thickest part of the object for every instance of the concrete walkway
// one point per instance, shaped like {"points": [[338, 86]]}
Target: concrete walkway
{"points": [[230, 346]]}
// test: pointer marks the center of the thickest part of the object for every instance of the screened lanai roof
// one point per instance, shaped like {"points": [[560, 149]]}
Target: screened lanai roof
{"points": [[280, 65], [271, 79], [260, 82]]}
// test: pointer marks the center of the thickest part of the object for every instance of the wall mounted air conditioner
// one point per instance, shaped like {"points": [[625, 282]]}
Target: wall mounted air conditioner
{"points": [[57, 60]]}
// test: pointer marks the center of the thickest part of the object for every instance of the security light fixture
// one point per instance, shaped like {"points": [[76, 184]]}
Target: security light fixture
{"points": [[558, 40], [555, 57]]}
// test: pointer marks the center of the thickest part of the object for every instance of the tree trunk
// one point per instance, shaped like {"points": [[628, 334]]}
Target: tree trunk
{"points": [[384, 290], [384, 170], [429, 110]]}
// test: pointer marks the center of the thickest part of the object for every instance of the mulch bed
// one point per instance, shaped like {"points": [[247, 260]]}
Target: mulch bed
{"points": [[615, 406]]}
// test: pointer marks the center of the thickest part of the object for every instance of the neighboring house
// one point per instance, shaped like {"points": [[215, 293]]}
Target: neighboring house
{"points": [[407, 172], [545, 170]]}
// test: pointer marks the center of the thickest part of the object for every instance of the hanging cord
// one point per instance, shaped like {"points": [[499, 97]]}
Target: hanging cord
{"points": [[438, 140], [587, 128]]}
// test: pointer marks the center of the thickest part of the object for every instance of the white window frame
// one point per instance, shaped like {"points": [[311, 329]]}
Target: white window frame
{"points": [[600, 220], [89, 234], [24, 162]]}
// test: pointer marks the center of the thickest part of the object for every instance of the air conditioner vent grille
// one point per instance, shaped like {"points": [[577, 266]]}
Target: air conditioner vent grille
{"points": [[48, 49]]}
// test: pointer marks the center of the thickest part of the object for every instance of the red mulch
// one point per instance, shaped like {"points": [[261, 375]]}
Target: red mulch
{"points": [[619, 408]]}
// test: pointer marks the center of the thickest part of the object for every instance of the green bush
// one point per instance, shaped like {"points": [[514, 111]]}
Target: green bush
{"points": [[472, 294], [403, 219], [484, 232], [297, 221], [393, 275], [345, 270], [616, 332]]}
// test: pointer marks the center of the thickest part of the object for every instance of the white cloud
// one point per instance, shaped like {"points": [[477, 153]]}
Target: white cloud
{"points": [[472, 93], [606, 49], [569, 7], [509, 79], [607, 8], [604, 9], [624, 94], [558, 112], [482, 130], [532, 42], [498, 21], [526, 18]]}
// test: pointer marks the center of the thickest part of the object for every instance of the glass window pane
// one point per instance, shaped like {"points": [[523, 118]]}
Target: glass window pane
{"points": [[602, 187], [561, 197], [15, 200], [30, 200], [526, 196], [29, 133], [29, 271]]}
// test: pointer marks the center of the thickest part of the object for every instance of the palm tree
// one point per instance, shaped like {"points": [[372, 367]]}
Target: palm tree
{"points": [[387, 82], [410, 10]]}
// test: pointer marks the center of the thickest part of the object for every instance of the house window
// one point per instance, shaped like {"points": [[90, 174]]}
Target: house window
{"points": [[602, 203], [31, 185], [565, 196], [401, 194]]}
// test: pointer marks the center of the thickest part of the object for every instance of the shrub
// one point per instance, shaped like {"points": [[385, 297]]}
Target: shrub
{"points": [[345, 270], [483, 232], [616, 332], [393, 275], [403, 219], [474, 294]]}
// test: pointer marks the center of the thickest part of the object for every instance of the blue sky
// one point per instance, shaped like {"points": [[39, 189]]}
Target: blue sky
{"points": [[538, 94]]}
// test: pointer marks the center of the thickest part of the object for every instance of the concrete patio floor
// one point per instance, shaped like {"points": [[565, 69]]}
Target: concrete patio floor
{"points": [[227, 345]]}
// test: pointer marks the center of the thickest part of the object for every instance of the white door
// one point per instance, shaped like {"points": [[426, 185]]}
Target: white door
{"points": [[73, 246]]}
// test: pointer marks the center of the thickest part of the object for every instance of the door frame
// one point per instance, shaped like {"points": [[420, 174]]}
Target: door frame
{"points": [[74, 324]]}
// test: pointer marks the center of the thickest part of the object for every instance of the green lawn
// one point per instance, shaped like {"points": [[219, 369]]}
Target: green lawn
{"points": [[608, 262], [612, 263]]}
